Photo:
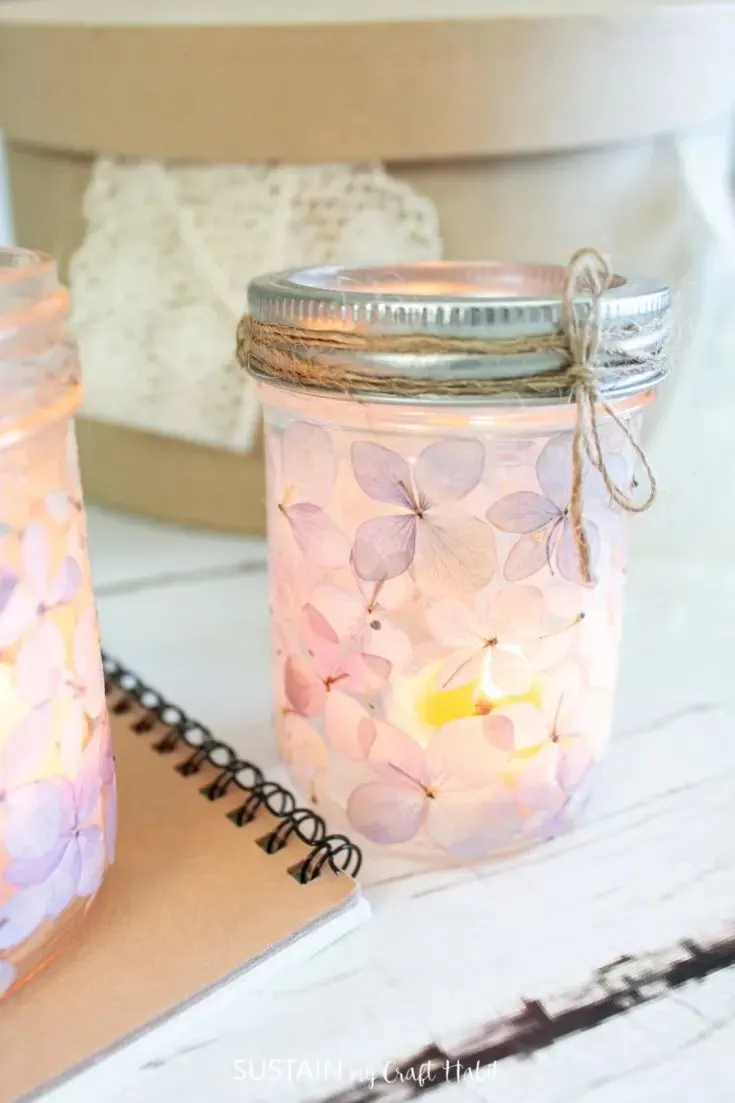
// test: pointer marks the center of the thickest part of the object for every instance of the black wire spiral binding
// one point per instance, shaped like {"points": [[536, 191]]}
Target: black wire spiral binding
{"points": [[337, 851]]}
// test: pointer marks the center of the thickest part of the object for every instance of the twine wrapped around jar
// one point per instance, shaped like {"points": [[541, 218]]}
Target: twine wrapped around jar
{"points": [[286, 353]]}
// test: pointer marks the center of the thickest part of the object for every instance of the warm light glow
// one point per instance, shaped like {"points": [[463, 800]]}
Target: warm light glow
{"points": [[421, 708]]}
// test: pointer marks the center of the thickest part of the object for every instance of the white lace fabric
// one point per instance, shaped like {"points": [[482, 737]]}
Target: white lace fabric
{"points": [[159, 280]]}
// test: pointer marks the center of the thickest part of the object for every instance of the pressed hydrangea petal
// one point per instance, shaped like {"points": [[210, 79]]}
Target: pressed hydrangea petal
{"points": [[386, 640], [460, 668], [304, 690], [88, 663], [528, 555], [319, 637], [498, 731], [384, 547], [307, 466], [65, 583], [456, 623], [554, 469], [17, 610], [35, 815], [511, 672], [522, 512], [92, 860], [382, 474], [63, 884], [26, 744], [304, 750], [460, 757], [455, 553], [316, 534], [529, 727], [395, 754], [341, 608], [40, 663], [387, 811], [517, 614], [471, 824], [35, 557], [361, 673], [88, 782], [448, 470], [26, 872], [567, 553], [348, 727], [575, 760]]}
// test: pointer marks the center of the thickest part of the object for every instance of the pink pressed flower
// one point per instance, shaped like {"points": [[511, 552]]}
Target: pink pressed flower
{"points": [[351, 730], [304, 752], [90, 681], [542, 520], [487, 636], [289, 589], [451, 551], [362, 619], [451, 789], [307, 682], [39, 675], [303, 473]]}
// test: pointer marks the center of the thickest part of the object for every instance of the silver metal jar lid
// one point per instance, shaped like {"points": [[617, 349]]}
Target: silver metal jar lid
{"points": [[480, 301]]}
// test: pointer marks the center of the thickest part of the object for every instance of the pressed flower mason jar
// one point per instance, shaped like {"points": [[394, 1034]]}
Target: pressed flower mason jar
{"points": [[57, 785], [444, 674]]}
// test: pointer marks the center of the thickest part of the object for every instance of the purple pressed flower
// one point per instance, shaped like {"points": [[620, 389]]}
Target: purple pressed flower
{"points": [[452, 788], [451, 551], [49, 838], [30, 596], [542, 520]]}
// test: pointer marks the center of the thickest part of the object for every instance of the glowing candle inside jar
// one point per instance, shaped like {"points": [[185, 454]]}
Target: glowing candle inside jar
{"points": [[432, 706]]}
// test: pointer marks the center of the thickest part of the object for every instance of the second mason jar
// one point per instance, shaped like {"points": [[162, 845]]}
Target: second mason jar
{"points": [[444, 662], [58, 805]]}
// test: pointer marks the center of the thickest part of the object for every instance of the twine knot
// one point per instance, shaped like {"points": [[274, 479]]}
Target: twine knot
{"points": [[588, 273]]}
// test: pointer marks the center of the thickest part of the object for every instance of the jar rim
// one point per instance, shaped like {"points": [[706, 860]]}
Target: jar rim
{"points": [[446, 297], [516, 305]]}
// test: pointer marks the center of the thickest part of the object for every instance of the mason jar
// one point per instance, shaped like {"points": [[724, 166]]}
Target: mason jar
{"points": [[57, 783], [444, 662]]}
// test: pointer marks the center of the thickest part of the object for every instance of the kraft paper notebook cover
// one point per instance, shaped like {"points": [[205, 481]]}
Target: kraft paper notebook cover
{"points": [[184, 868]]}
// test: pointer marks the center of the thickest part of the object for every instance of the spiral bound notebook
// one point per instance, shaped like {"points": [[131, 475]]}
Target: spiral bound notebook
{"points": [[218, 875]]}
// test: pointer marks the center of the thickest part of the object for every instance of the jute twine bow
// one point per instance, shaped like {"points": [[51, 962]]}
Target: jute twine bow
{"points": [[330, 359], [588, 271]]}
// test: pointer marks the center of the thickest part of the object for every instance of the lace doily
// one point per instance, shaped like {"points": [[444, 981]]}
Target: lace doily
{"points": [[159, 280]]}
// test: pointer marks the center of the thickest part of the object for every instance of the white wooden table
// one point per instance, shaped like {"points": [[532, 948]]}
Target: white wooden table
{"points": [[449, 954]]}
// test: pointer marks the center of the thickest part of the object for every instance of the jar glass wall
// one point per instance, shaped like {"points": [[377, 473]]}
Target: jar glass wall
{"points": [[444, 678]]}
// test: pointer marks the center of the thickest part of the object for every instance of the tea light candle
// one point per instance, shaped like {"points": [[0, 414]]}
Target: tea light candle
{"points": [[448, 541]]}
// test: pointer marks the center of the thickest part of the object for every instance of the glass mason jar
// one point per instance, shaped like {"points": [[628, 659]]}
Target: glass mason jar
{"points": [[444, 672], [57, 784]]}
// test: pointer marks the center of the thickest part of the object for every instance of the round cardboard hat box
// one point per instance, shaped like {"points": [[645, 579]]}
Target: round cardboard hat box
{"points": [[530, 128]]}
